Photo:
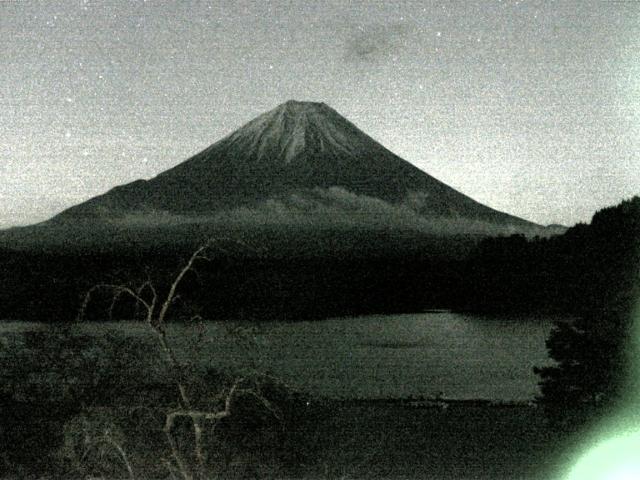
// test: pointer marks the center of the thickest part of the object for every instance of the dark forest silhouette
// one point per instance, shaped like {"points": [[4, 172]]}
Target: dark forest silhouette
{"points": [[593, 374], [573, 273]]}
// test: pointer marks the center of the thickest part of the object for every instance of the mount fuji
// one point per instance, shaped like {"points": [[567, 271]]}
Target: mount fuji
{"points": [[301, 162], [310, 217]]}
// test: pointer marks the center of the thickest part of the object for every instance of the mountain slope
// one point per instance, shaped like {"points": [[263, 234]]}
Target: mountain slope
{"points": [[300, 150]]}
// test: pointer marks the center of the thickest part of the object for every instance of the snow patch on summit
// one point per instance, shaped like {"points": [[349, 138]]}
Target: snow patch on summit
{"points": [[296, 127]]}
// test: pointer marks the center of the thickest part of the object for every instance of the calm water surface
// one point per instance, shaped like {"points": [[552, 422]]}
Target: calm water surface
{"points": [[461, 356], [458, 355]]}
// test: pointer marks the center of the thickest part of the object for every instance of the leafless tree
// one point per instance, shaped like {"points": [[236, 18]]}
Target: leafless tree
{"points": [[155, 308]]}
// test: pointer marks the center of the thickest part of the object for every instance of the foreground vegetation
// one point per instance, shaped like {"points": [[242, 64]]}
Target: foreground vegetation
{"points": [[100, 409]]}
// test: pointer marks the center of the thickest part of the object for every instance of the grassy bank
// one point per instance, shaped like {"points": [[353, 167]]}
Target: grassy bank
{"points": [[458, 441], [347, 440], [113, 388]]}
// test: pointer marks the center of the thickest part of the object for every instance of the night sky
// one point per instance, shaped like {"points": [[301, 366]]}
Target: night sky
{"points": [[532, 108]]}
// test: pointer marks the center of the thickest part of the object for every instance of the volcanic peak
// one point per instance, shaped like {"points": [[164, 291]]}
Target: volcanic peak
{"points": [[301, 105], [294, 150], [293, 128]]}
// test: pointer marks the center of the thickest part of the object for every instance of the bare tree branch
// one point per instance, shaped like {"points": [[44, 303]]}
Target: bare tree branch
{"points": [[107, 439], [118, 290], [197, 255], [156, 312]]}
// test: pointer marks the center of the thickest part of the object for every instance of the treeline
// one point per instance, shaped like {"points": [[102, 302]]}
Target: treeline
{"points": [[347, 274], [592, 273], [237, 282], [590, 267]]}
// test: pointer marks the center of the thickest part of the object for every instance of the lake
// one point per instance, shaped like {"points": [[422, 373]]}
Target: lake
{"points": [[460, 356]]}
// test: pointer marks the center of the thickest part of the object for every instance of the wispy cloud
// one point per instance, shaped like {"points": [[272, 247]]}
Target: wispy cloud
{"points": [[374, 43]]}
